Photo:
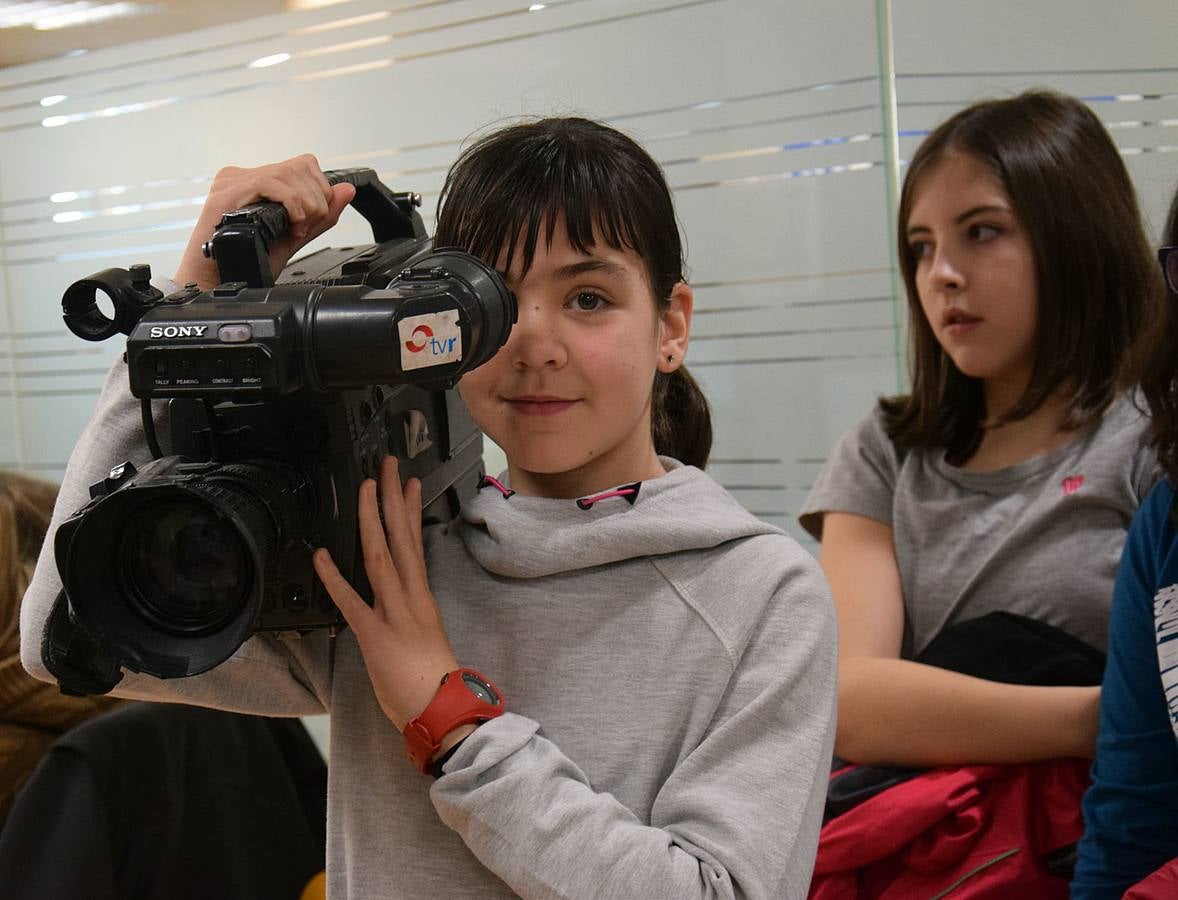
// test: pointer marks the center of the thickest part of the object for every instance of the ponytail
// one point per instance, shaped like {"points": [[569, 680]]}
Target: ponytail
{"points": [[681, 420]]}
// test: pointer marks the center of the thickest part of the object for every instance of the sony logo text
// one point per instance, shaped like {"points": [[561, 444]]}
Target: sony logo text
{"points": [[175, 331]]}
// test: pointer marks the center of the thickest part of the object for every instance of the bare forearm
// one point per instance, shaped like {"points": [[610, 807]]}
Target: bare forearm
{"points": [[894, 712]]}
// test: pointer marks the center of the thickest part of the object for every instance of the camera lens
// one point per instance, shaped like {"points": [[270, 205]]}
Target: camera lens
{"points": [[185, 567]]}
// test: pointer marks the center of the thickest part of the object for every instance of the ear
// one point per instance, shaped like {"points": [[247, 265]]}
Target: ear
{"points": [[675, 328]]}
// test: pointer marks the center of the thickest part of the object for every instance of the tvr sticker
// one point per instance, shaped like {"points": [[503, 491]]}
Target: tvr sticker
{"points": [[430, 340]]}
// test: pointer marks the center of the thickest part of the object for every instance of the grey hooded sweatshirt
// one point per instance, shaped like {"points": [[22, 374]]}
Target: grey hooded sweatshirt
{"points": [[669, 668]]}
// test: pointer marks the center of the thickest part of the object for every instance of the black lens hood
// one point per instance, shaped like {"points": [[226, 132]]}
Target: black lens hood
{"points": [[88, 553]]}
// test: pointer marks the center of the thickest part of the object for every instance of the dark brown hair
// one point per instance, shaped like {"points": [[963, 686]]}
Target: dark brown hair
{"points": [[1094, 274], [1156, 369], [526, 177]]}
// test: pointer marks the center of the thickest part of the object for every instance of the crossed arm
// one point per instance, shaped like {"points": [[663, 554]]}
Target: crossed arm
{"points": [[895, 712]]}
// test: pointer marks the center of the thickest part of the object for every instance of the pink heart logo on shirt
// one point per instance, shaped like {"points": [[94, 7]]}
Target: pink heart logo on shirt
{"points": [[1072, 483]]}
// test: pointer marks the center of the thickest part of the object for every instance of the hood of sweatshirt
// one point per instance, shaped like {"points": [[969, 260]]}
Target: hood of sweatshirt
{"points": [[531, 537]]}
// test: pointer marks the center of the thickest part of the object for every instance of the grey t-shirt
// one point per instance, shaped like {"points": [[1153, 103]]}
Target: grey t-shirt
{"points": [[1041, 538]]}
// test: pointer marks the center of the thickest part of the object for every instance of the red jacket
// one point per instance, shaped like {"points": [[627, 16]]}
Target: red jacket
{"points": [[1161, 885], [972, 832]]}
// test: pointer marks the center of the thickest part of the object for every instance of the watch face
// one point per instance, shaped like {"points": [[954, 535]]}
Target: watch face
{"points": [[480, 689]]}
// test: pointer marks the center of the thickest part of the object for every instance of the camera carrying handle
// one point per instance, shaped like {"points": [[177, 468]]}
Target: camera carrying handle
{"points": [[241, 242]]}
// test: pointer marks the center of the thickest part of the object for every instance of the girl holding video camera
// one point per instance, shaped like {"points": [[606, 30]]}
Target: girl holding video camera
{"points": [[621, 682], [1006, 479]]}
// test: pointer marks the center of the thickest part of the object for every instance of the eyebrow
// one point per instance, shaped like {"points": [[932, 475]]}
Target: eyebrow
{"points": [[969, 213], [572, 270]]}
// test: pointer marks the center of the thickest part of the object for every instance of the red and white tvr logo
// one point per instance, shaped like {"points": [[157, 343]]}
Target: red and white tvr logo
{"points": [[432, 339], [420, 339]]}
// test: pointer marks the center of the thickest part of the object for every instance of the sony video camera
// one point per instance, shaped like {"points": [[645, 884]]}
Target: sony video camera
{"points": [[282, 396]]}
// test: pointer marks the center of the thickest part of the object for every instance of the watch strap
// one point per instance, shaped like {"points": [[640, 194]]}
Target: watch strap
{"points": [[453, 705], [435, 767]]}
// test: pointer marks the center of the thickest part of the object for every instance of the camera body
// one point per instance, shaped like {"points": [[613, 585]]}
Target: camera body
{"points": [[282, 396]]}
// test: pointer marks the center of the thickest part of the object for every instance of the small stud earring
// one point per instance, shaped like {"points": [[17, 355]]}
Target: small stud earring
{"points": [[670, 358]]}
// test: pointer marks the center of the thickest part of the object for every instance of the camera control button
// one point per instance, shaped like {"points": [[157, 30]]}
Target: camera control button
{"points": [[235, 334], [162, 376], [187, 376], [229, 289], [222, 371], [252, 367], [294, 598]]}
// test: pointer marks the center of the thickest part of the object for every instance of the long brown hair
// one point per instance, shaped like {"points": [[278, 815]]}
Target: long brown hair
{"points": [[1156, 370], [1095, 277], [26, 505], [526, 177]]}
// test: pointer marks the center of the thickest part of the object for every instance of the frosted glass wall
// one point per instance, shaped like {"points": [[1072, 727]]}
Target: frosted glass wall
{"points": [[1122, 58]]}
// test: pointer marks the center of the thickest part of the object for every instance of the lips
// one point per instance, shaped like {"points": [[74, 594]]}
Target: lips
{"points": [[956, 323], [539, 405], [953, 316]]}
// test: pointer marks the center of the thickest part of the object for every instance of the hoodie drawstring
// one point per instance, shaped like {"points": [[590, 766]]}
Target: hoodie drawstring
{"points": [[488, 481], [629, 491]]}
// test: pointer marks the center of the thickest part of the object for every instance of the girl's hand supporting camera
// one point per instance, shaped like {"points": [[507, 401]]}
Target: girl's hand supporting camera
{"points": [[401, 636], [312, 204]]}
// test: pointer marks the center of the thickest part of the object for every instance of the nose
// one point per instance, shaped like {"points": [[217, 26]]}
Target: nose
{"points": [[943, 272], [536, 341]]}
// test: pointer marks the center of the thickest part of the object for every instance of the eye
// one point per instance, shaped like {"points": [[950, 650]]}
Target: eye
{"points": [[918, 249], [588, 301], [979, 232]]}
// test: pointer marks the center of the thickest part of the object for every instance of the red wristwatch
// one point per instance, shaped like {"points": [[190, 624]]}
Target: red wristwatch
{"points": [[465, 697]]}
